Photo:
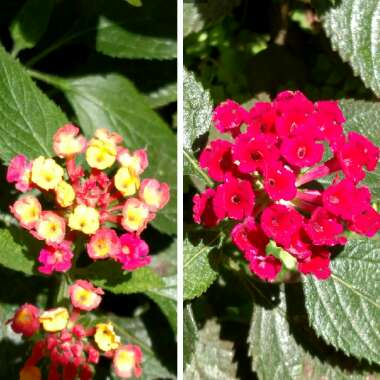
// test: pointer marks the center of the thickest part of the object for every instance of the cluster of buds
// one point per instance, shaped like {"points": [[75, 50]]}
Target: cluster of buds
{"points": [[87, 205], [70, 349], [268, 171]]}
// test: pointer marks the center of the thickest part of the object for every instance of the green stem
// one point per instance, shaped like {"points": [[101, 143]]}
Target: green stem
{"points": [[205, 177], [69, 36], [61, 290], [15, 51], [52, 80]]}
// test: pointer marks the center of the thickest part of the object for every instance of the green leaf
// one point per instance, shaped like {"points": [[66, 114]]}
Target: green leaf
{"points": [[345, 309], [213, 357], [198, 272], [113, 102], [199, 15], [110, 276], [28, 118], [197, 122], [166, 299], [362, 117], [276, 352], [30, 24], [18, 250], [163, 96], [147, 32], [190, 333], [135, 3], [353, 28], [165, 262]]}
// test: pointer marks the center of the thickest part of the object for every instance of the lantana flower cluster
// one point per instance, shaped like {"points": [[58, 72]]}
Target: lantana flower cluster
{"points": [[68, 349], [267, 170], [94, 206]]}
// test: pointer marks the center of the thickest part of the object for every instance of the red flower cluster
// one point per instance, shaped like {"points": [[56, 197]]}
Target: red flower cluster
{"points": [[268, 172], [71, 349], [88, 205]]}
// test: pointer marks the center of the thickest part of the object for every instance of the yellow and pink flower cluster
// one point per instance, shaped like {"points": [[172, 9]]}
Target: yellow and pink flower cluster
{"points": [[112, 195], [67, 345]]}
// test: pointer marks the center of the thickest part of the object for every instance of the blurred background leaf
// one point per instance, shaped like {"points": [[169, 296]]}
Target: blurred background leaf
{"points": [[30, 24]]}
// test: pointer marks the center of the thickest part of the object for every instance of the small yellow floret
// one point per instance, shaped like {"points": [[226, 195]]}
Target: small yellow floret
{"points": [[51, 227], [105, 337], [152, 197], [135, 216], [124, 361], [85, 219], [54, 320], [126, 181], [65, 194], [30, 373], [46, 173], [84, 297], [102, 248], [101, 154], [27, 210]]}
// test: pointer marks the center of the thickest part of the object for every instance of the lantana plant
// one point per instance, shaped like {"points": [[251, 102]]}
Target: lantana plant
{"points": [[289, 178], [68, 203]]}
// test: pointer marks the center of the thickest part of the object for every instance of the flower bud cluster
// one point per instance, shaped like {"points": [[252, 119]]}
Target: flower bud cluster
{"points": [[268, 169], [71, 349]]}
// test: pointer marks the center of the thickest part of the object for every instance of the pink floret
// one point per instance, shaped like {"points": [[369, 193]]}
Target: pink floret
{"points": [[234, 199], [203, 208], [19, 170], [324, 229], [217, 160], [134, 252], [56, 258], [279, 181], [229, 116]]}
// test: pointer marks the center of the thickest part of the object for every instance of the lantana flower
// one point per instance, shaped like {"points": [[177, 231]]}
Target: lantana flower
{"points": [[92, 206], [127, 361], [85, 296], [266, 176]]}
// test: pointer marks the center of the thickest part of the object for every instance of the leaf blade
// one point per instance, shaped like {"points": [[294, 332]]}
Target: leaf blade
{"points": [[198, 274], [198, 16], [18, 250], [197, 106], [147, 32], [109, 275], [348, 303], [352, 26], [29, 118], [213, 357], [276, 353]]}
